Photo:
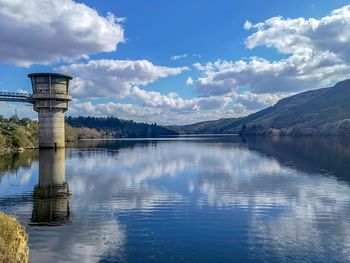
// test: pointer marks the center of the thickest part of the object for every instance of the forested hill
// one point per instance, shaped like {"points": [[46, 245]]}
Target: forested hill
{"points": [[324, 111], [204, 127], [114, 127]]}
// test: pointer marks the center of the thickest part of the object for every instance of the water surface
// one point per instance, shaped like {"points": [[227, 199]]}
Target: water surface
{"points": [[193, 199]]}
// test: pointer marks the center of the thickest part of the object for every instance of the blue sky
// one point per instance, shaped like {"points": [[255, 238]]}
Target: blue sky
{"points": [[174, 61]]}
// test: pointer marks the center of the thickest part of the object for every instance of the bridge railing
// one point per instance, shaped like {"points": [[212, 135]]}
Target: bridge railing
{"points": [[16, 97], [15, 94]]}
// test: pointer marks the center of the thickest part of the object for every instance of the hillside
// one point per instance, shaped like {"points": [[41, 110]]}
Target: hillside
{"points": [[324, 111], [114, 127], [204, 127]]}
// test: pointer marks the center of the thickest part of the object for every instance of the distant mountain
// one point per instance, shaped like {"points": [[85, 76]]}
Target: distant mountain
{"points": [[114, 127], [324, 111]]}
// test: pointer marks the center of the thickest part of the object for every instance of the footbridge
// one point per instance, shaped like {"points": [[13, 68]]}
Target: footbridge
{"points": [[16, 97]]}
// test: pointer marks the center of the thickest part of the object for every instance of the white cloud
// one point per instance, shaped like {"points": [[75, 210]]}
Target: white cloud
{"points": [[189, 81], [297, 36], [164, 112], [161, 109], [126, 111], [317, 54], [46, 31], [117, 79], [114, 78], [156, 99], [296, 73], [247, 25], [182, 56], [254, 101], [177, 57]]}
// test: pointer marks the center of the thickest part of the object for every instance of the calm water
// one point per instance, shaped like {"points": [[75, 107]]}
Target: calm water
{"points": [[214, 199]]}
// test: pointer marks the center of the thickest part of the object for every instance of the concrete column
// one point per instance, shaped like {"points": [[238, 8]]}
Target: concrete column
{"points": [[51, 128]]}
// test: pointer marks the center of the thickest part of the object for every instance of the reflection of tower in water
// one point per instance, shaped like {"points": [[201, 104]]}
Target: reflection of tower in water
{"points": [[51, 202]]}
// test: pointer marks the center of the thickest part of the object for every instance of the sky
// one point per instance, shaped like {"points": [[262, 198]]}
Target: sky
{"points": [[174, 62]]}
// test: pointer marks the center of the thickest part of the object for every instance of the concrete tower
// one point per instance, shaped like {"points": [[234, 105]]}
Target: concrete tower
{"points": [[50, 98]]}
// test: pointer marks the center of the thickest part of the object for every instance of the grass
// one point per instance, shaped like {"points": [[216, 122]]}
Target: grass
{"points": [[13, 240]]}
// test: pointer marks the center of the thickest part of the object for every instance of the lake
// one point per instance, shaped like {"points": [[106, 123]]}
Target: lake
{"points": [[186, 199]]}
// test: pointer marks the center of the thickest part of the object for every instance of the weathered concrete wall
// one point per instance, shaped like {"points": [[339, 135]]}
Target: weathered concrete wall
{"points": [[51, 128]]}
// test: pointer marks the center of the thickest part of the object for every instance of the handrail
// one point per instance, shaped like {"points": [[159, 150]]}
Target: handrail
{"points": [[15, 94], [15, 97]]}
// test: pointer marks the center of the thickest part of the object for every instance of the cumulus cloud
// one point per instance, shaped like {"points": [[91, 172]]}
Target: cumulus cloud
{"points": [[155, 99], [126, 111], [181, 111], [160, 110], [290, 36], [49, 31], [118, 79], [114, 78], [317, 54], [295, 73], [254, 101], [172, 101]]}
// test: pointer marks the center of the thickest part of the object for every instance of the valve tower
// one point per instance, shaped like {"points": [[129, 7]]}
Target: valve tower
{"points": [[50, 99]]}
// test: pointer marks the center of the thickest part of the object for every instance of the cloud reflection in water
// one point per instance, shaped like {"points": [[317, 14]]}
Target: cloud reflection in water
{"points": [[139, 198]]}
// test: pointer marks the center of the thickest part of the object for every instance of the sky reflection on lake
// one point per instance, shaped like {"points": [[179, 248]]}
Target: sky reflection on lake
{"points": [[194, 200]]}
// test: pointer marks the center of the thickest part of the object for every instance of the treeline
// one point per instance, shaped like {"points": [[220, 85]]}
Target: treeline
{"points": [[16, 133], [115, 127]]}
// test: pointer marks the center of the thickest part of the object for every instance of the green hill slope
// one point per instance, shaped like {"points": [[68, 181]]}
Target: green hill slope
{"points": [[324, 111]]}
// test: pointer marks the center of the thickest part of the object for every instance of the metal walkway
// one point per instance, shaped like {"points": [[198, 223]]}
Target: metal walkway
{"points": [[16, 97]]}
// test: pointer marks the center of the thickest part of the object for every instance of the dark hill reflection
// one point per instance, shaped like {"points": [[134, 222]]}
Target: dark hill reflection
{"points": [[192, 199], [309, 154]]}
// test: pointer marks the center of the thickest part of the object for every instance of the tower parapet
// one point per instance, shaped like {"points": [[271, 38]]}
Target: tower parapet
{"points": [[50, 99]]}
